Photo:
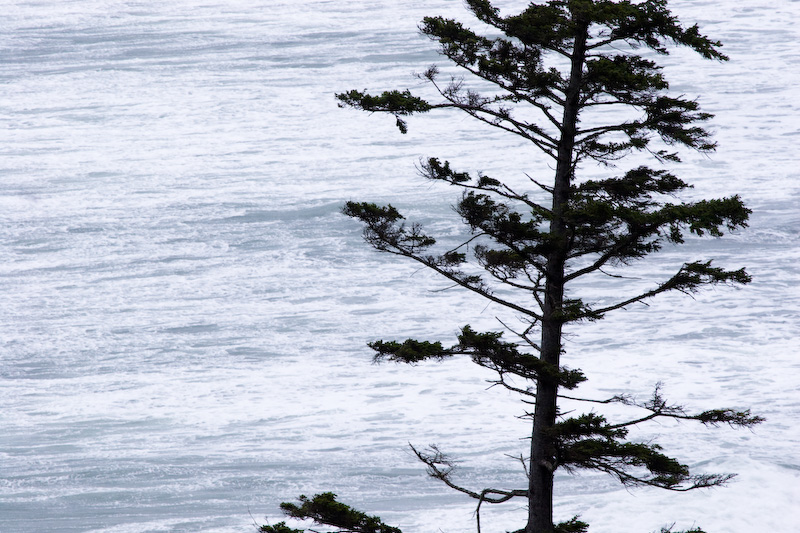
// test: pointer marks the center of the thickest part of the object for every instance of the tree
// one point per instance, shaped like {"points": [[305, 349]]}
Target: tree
{"points": [[560, 61]]}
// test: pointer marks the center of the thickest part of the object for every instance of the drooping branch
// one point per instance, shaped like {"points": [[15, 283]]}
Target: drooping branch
{"points": [[528, 392], [589, 442], [524, 335], [435, 170], [659, 408], [441, 467], [516, 69], [674, 483], [478, 107], [385, 232], [455, 95], [688, 279]]}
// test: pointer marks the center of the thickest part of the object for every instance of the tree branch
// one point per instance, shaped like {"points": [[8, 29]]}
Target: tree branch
{"points": [[658, 408], [688, 278], [433, 462]]}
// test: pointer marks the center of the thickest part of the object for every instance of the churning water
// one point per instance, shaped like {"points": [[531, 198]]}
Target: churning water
{"points": [[184, 312]]}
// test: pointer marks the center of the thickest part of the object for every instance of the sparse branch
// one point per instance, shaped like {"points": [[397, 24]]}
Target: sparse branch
{"points": [[511, 194], [465, 243], [468, 285], [702, 481], [386, 233], [644, 419], [538, 282], [688, 278], [508, 281], [623, 399], [435, 170], [523, 335], [546, 146], [611, 252], [503, 383], [604, 42], [522, 461], [591, 102], [441, 467], [542, 186], [474, 105], [659, 408], [546, 112], [524, 97]]}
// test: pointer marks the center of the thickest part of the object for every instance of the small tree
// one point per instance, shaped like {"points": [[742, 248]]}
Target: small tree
{"points": [[561, 61]]}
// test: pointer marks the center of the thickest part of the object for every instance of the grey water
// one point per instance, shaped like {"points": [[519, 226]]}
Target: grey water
{"points": [[184, 311]]}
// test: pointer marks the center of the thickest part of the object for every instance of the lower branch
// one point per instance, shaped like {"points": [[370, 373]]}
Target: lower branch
{"points": [[658, 407], [700, 481], [437, 460]]}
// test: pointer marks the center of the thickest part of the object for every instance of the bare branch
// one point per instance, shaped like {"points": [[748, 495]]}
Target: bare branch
{"points": [[502, 382], [521, 459], [540, 185], [476, 236], [437, 459], [623, 399], [473, 106], [658, 408], [429, 262], [523, 335]]}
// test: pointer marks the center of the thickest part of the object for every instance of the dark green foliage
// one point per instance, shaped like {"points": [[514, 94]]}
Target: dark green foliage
{"points": [[572, 430], [590, 442], [437, 171], [324, 509], [622, 76], [384, 228], [552, 68], [280, 527], [485, 349], [410, 351], [396, 102], [731, 417], [571, 526]]}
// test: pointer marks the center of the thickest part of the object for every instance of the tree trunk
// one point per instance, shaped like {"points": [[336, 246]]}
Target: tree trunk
{"points": [[542, 461]]}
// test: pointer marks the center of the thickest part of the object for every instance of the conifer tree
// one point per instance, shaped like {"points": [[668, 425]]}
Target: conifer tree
{"points": [[560, 61]]}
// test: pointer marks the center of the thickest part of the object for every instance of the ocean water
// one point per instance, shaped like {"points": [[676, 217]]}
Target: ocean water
{"points": [[184, 312]]}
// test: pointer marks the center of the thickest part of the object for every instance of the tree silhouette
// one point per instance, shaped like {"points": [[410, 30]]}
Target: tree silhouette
{"points": [[561, 62]]}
